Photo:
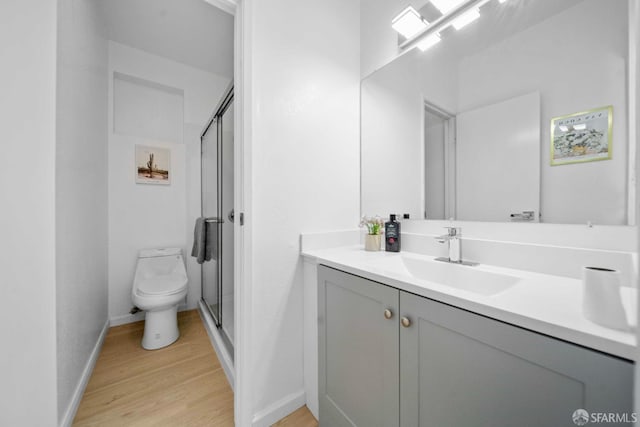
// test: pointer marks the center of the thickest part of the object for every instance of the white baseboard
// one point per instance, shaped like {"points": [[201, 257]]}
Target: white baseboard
{"points": [[278, 410], [127, 318], [70, 413], [216, 340]]}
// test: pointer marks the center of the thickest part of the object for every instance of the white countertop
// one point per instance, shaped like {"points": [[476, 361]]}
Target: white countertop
{"points": [[547, 304]]}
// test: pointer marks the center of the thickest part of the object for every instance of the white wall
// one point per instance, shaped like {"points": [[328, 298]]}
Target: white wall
{"points": [[302, 128], [27, 218], [81, 193], [378, 41], [133, 225]]}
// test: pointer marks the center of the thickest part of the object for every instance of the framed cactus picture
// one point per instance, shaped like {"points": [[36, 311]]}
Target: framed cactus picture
{"points": [[153, 165], [582, 137]]}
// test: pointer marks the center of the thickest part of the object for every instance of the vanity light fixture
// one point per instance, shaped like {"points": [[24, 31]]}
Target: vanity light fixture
{"points": [[409, 23], [445, 6], [429, 41], [466, 19], [456, 13]]}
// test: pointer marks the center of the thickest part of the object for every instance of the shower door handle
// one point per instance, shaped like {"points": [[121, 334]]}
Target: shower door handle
{"points": [[232, 215], [214, 220]]}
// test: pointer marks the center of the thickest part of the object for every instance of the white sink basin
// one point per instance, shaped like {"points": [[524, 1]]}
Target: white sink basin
{"points": [[470, 279]]}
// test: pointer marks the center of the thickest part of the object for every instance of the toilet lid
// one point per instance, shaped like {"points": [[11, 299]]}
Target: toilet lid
{"points": [[163, 285]]}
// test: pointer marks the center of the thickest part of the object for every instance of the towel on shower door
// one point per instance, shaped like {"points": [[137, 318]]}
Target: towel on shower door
{"points": [[199, 240], [211, 241]]}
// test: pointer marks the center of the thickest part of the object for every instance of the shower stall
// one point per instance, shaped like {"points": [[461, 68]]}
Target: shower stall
{"points": [[217, 150]]}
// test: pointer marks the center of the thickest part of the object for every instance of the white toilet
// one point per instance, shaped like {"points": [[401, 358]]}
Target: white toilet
{"points": [[160, 284]]}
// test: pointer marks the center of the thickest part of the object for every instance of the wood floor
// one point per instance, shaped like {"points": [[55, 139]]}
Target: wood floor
{"points": [[180, 385], [300, 418]]}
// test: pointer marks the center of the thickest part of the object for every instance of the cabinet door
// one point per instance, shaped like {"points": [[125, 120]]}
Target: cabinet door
{"points": [[358, 351], [462, 369]]}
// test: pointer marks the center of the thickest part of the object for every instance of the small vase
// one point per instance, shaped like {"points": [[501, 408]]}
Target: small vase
{"points": [[372, 242]]}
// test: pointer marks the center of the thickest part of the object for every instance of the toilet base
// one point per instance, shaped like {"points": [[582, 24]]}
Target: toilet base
{"points": [[160, 328]]}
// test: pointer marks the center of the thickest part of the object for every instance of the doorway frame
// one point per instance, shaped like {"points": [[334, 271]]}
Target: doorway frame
{"points": [[243, 245]]}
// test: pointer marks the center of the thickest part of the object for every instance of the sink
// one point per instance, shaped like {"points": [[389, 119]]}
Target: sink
{"points": [[470, 279]]}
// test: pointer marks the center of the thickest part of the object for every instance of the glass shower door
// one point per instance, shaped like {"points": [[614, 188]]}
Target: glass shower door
{"points": [[218, 210], [210, 279]]}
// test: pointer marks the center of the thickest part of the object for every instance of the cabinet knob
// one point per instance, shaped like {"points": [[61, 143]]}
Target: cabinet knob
{"points": [[388, 314], [405, 322]]}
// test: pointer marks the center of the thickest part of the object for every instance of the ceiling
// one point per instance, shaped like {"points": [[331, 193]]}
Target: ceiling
{"points": [[192, 32]]}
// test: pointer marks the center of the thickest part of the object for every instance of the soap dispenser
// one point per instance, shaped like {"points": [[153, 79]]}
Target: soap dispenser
{"points": [[392, 234]]}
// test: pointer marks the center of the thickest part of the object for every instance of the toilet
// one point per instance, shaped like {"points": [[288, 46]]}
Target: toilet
{"points": [[159, 285]]}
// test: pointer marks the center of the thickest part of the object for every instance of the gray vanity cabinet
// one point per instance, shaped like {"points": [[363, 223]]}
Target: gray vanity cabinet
{"points": [[461, 369], [358, 360], [433, 365]]}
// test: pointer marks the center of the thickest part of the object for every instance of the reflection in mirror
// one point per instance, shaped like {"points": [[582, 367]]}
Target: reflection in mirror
{"points": [[437, 131], [462, 130]]}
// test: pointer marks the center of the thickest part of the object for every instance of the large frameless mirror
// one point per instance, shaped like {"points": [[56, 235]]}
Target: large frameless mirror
{"points": [[521, 114]]}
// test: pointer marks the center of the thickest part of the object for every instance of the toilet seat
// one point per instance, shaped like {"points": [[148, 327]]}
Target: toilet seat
{"points": [[160, 273], [169, 284]]}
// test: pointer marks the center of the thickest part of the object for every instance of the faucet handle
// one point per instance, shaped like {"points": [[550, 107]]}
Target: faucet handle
{"points": [[453, 231]]}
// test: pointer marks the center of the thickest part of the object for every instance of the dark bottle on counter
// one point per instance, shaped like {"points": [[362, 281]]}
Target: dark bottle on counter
{"points": [[392, 234]]}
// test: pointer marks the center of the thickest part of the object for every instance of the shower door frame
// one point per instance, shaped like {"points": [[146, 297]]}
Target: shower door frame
{"points": [[216, 120]]}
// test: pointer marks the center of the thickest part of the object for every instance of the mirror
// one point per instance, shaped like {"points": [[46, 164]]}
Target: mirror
{"points": [[469, 128]]}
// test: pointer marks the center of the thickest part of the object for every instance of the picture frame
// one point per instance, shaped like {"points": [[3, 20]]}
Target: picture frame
{"points": [[152, 165], [582, 137]]}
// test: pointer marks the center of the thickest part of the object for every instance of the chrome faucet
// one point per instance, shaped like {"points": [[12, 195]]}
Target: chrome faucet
{"points": [[453, 238], [455, 254]]}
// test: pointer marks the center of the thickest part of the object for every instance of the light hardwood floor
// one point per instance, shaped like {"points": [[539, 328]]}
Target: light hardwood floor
{"points": [[179, 385], [300, 418]]}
